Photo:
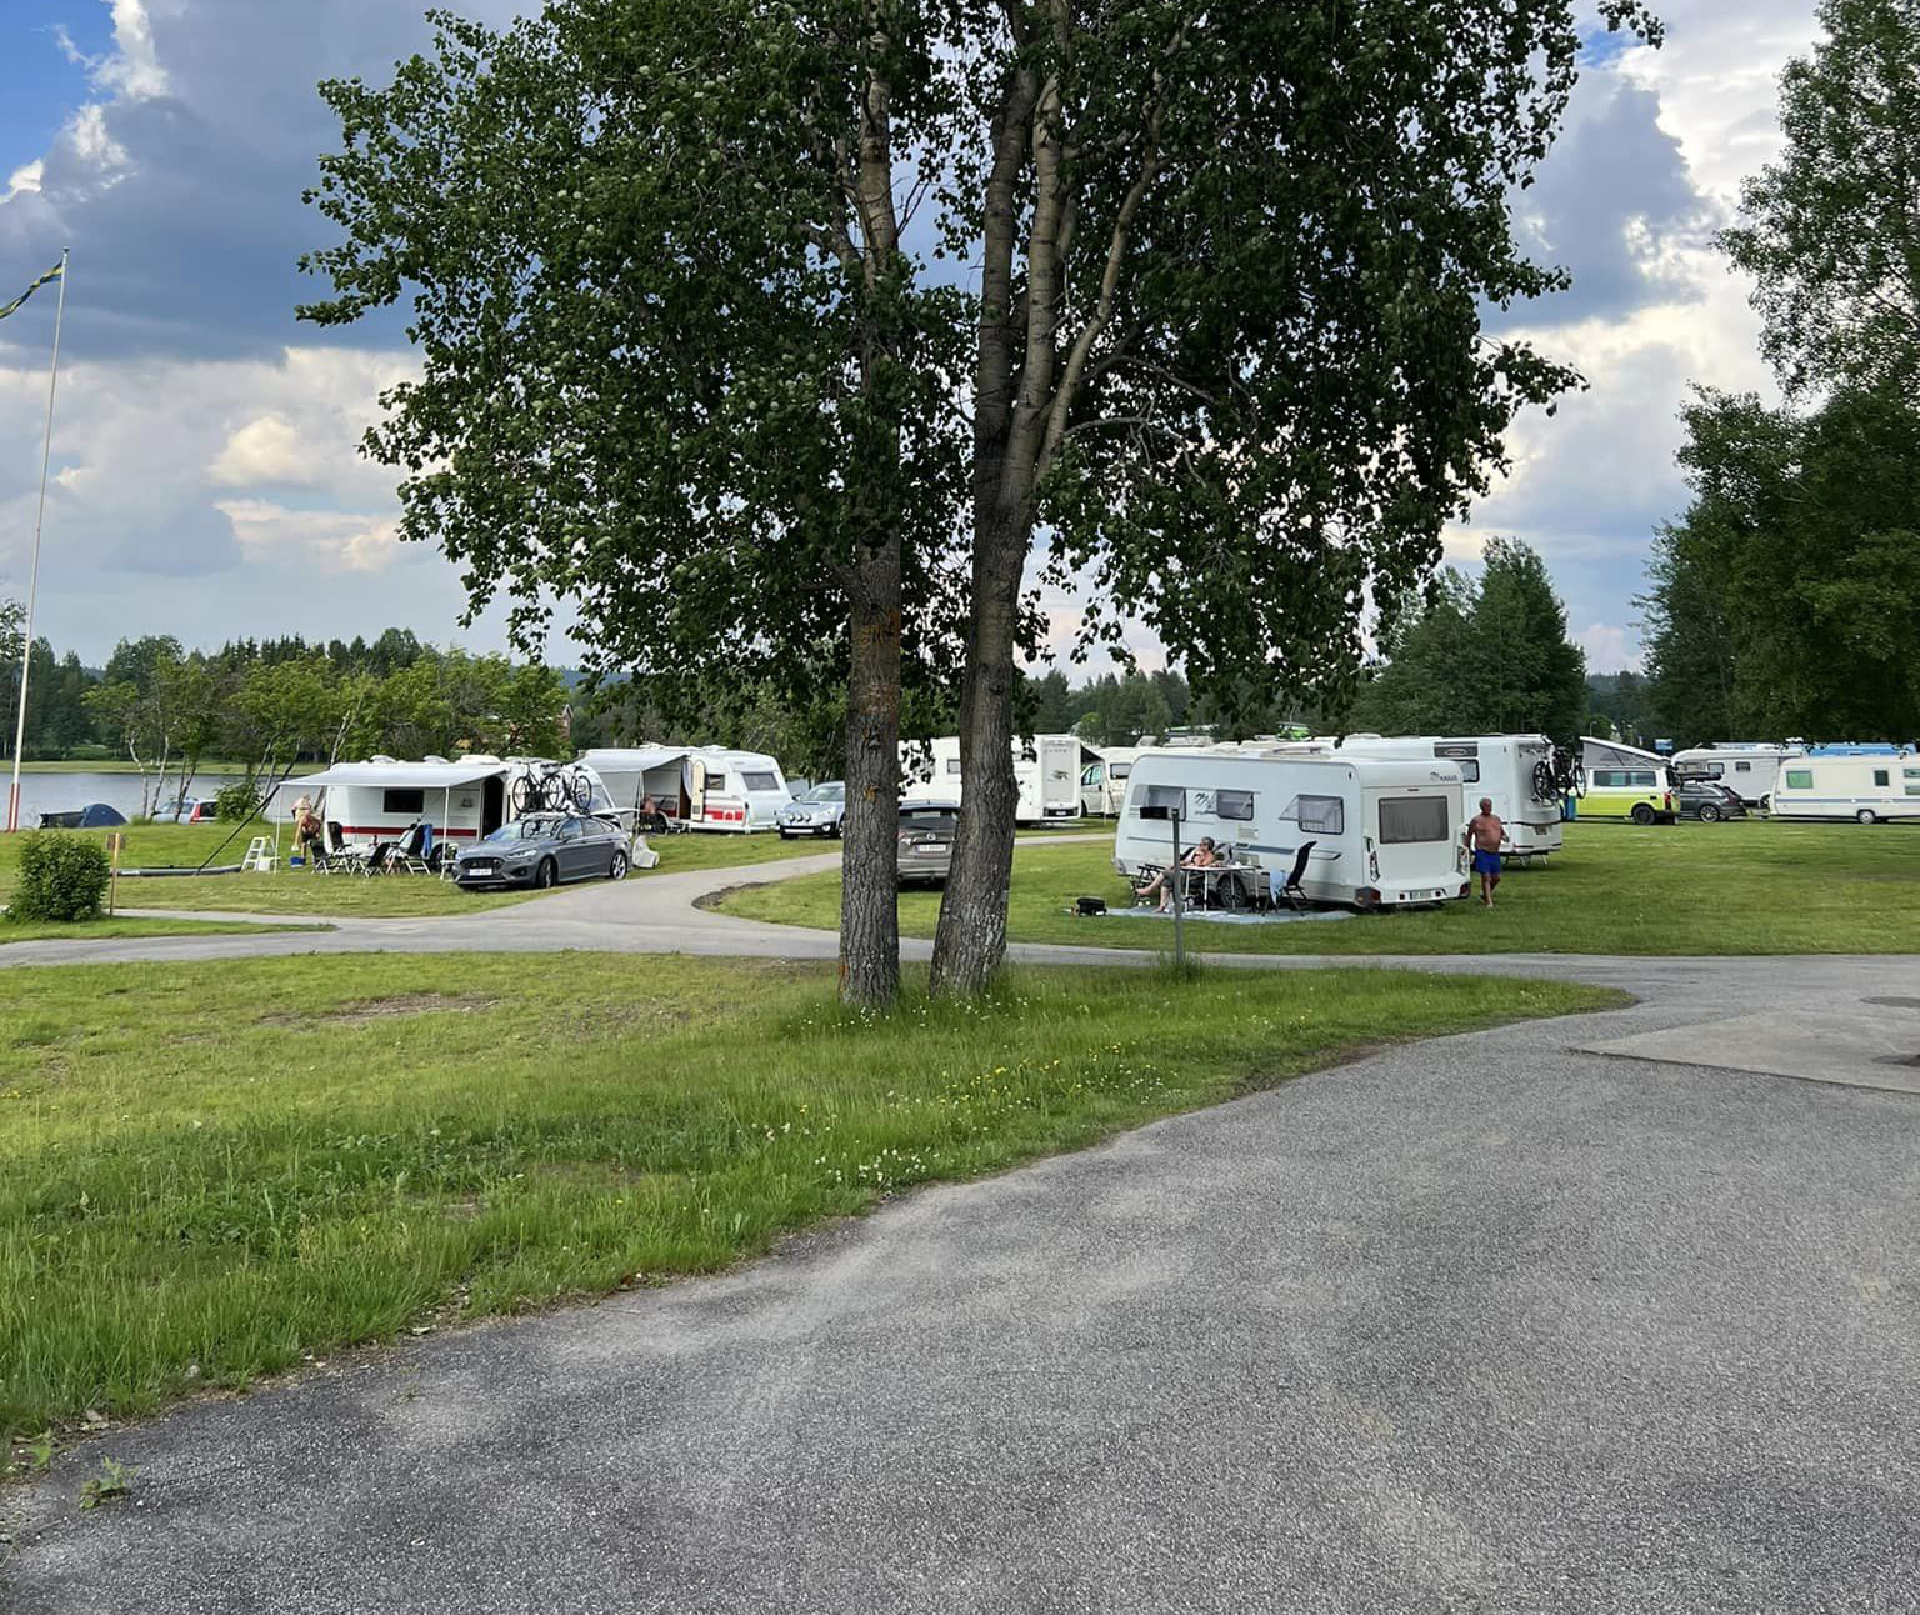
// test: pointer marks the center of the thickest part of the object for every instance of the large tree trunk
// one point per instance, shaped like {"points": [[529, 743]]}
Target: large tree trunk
{"points": [[869, 870], [972, 936]]}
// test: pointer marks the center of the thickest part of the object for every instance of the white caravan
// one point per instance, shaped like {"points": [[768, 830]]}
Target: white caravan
{"points": [[705, 787], [1516, 771], [1865, 789], [1045, 767], [1103, 782], [1749, 769], [1386, 832], [464, 801]]}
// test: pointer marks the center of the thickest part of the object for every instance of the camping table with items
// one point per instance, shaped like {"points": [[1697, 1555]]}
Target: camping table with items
{"points": [[1234, 885]]}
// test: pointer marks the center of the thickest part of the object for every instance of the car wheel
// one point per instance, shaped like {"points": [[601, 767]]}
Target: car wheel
{"points": [[1766, 804], [1709, 813], [545, 875], [1643, 813], [1866, 816], [836, 829], [617, 869]]}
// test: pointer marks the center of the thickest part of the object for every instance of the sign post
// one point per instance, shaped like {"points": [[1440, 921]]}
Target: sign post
{"points": [[1172, 816], [115, 843]]}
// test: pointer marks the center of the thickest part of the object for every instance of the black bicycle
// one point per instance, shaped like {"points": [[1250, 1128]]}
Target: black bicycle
{"points": [[552, 788]]}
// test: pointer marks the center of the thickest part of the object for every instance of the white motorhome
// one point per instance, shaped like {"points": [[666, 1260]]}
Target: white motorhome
{"points": [[1045, 767], [1865, 789], [1103, 782], [381, 799], [705, 787], [1516, 771], [1747, 768], [1385, 832]]}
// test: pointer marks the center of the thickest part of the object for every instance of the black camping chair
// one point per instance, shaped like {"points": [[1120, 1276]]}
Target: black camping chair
{"points": [[334, 853], [1290, 891]]}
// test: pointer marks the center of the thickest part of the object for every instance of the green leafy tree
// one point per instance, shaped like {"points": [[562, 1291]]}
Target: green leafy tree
{"points": [[1831, 232], [682, 363], [1486, 656]]}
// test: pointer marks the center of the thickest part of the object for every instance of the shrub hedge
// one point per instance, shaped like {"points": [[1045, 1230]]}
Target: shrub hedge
{"points": [[62, 877]]}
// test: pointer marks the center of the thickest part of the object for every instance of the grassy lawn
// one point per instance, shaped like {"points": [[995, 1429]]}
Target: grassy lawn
{"points": [[1742, 887], [124, 925], [212, 1170]]}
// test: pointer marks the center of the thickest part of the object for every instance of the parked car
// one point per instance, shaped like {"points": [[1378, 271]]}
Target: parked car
{"points": [[1644, 795], [818, 813], [185, 810], [542, 851], [1702, 799], [927, 830]]}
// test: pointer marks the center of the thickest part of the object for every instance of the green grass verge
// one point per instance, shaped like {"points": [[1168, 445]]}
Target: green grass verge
{"points": [[1743, 887], [128, 925], [212, 1170]]}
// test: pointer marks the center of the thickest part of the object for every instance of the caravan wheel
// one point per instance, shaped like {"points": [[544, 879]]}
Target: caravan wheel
{"points": [[1866, 816]]}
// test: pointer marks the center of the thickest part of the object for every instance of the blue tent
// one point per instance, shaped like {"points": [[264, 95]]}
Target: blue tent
{"points": [[94, 816]]}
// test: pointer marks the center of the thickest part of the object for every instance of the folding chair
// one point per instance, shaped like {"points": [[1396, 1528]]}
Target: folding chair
{"points": [[1290, 891], [334, 853], [408, 855]]}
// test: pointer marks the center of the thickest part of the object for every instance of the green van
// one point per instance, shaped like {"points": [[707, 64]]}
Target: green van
{"points": [[1643, 795]]}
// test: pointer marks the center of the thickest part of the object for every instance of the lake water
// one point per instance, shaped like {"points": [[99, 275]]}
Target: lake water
{"points": [[57, 793]]}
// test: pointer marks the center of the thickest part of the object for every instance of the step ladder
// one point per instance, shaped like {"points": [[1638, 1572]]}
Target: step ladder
{"points": [[261, 856]]}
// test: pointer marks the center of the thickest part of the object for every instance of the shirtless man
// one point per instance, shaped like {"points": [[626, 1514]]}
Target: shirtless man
{"points": [[1484, 834]]}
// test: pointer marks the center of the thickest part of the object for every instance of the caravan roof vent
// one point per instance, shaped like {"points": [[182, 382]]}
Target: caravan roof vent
{"points": [[432, 758], [380, 757]]}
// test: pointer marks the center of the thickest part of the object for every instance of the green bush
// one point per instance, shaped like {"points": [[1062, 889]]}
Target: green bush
{"points": [[62, 877], [236, 802]]}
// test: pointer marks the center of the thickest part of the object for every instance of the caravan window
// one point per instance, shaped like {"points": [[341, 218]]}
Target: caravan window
{"points": [[1324, 815], [1882, 777], [1234, 804], [403, 801], [1738, 768], [953, 765], [1799, 779], [1469, 770], [1415, 818], [759, 782], [1119, 770], [1643, 777], [1166, 796]]}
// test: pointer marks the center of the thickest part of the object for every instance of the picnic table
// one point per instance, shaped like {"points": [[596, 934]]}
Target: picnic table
{"points": [[1228, 885]]}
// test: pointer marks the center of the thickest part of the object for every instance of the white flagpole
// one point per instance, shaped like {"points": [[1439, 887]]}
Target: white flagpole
{"points": [[33, 574]]}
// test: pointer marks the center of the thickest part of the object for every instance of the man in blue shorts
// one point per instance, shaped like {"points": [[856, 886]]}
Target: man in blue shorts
{"points": [[1484, 834]]}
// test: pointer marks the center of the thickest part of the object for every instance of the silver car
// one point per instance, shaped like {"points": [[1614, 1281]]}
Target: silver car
{"points": [[818, 813], [544, 850], [927, 830]]}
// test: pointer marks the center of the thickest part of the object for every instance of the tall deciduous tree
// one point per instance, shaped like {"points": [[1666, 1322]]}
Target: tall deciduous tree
{"points": [[1832, 230], [694, 353]]}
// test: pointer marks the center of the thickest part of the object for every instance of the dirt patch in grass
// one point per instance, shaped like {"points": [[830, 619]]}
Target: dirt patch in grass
{"points": [[376, 1009]]}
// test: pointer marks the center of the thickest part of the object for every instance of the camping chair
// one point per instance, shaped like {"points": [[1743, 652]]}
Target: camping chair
{"points": [[334, 853], [409, 855], [1289, 891]]}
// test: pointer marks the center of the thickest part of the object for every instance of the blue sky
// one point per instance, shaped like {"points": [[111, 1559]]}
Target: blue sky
{"points": [[206, 483]]}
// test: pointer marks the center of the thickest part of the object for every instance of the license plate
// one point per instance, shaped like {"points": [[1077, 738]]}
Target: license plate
{"points": [[482, 866]]}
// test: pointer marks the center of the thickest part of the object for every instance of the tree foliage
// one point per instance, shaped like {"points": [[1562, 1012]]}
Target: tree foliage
{"points": [[1832, 230], [1485, 655], [1786, 601]]}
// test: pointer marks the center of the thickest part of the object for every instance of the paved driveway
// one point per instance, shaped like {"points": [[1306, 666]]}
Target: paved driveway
{"points": [[1494, 1323]]}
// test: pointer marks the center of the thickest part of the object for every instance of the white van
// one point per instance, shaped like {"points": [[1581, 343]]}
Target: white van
{"points": [[1103, 782], [1865, 789], [1046, 769], [1386, 832], [1748, 769], [1517, 772]]}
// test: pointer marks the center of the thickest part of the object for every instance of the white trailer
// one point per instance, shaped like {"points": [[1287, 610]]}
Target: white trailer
{"points": [[1750, 769], [1103, 781], [1517, 772], [381, 799], [1046, 769], [1864, 789], [705, 787], [1386, 832]]}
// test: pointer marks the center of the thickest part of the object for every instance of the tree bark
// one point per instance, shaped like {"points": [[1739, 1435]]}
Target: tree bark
{"points": [[972, 936], [869, 867]]}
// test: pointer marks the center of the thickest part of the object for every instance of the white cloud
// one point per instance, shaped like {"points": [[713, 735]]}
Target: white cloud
{"points": [[266, 450], [1609, 647], [24, 178], [297, 541]]}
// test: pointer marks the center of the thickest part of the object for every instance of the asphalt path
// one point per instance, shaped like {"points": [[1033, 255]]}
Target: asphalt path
{"points": [[1527, 1320]]}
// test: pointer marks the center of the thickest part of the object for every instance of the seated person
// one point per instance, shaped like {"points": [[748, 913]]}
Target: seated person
{"points": [[1204, 856], [650, 818]]}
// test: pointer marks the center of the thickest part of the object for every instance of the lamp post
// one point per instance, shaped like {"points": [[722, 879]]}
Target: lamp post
{"points": [[1172, 816]]}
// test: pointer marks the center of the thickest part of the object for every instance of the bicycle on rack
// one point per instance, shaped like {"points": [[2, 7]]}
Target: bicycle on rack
{"points": [[551, 788]]}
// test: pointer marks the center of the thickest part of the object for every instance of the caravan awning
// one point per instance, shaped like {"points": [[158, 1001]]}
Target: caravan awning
{"points": [[633, 759], [400, 776]]}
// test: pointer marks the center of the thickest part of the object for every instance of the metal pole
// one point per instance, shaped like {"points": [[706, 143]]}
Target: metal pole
{"points": [[1179, 947], [33, 574]]}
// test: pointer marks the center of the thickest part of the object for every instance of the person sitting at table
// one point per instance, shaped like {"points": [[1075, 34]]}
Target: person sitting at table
{"points": [[1204, 856]]}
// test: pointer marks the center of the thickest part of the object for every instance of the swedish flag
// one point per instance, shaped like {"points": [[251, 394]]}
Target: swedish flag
{"points": [[50, 275]]}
